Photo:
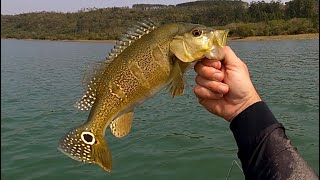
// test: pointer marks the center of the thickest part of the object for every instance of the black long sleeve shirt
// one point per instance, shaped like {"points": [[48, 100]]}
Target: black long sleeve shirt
{"points": [[264, 150]]}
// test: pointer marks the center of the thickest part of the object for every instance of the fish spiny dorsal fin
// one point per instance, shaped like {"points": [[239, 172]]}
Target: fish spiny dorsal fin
{"points": [[132, 34], [91, 81]]}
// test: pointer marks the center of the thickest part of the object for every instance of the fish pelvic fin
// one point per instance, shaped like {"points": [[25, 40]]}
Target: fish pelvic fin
{"points": [[82, 144]]}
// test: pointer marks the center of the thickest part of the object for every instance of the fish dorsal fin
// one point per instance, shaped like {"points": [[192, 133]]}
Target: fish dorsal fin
{"points": [[93, 74], [131, 35]]}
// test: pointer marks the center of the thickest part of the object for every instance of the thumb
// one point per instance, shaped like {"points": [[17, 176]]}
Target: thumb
{"points": [[230, 57]]}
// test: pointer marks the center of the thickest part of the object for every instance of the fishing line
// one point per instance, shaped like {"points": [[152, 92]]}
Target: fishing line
{"points": [[306, 148], [233, 162], [130, 145], [142, 134]]}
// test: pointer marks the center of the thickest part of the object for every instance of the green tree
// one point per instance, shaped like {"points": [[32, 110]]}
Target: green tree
{"points": [[302, 8]]}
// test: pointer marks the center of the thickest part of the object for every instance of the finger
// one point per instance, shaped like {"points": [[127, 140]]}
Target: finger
{"points": [[203, 93], [211, 63], [209, 73], [214, 86], [200, 99], [230, 57]]}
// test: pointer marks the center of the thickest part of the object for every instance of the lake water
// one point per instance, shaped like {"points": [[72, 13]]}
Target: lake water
{"points": [[171, 138]]}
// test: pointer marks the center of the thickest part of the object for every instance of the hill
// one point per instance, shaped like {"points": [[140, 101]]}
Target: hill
{"points": [[243, 19]]}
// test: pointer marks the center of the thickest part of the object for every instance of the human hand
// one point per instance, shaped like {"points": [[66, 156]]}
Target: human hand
{"points": [[224, 87]]}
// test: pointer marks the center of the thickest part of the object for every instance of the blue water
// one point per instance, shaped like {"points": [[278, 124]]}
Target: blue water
{"points": [[171, 138]]}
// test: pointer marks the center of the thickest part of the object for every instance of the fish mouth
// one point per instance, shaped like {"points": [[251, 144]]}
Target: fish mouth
{"points": [[220, 37], [219, 40]]}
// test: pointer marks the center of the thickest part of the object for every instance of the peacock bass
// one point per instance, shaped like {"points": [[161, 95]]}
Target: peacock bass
{"points": [[145, 60]]}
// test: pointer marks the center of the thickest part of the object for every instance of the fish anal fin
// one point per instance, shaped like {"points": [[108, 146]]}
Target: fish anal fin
{"points": [[176, 87], [121, 126]]}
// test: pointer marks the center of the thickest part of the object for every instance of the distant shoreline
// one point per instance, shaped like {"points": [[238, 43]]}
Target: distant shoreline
{"points": [[278, 37], [246, 39], [66, 40]]}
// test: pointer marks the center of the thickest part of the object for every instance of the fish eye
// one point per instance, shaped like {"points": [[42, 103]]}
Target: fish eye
{"points": [[196, 32]]}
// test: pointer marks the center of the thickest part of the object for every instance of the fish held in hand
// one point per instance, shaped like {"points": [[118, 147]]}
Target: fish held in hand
{"points": [[146, 59]]}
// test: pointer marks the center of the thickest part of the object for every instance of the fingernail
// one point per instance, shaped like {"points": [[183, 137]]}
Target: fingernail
{"points": [[217, 75]]}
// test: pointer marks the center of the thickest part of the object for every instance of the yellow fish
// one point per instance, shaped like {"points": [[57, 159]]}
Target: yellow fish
{"points": [[145, 60]]}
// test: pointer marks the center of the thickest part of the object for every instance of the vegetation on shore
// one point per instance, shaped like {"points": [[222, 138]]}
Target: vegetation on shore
{"points": [[276, 37], [241, 18]]}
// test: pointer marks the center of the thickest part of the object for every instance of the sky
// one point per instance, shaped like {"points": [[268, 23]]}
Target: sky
{"points": [[11, 7]]}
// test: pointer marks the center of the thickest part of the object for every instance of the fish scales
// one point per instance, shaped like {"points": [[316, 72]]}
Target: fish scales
{"points": [[154, 71], [123, 80], [154, 58]]}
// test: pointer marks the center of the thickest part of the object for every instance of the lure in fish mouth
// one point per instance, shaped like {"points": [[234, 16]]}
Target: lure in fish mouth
{"points": [[145, 60]]}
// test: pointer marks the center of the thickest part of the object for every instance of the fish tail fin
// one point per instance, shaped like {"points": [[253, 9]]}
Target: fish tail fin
{"points": [[82, 144]]}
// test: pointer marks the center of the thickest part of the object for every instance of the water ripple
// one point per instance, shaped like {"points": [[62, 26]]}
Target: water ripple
{"points": [[171, 138]]}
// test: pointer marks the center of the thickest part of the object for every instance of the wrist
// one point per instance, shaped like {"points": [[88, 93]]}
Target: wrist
{"points": [[254, 98]]}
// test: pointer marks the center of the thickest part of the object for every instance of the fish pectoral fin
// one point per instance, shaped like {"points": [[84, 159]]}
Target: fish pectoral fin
{"points": [[179, 49], [121, 126], [176, 87]]}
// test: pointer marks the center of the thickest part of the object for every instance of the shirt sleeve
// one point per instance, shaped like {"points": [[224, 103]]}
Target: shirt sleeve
{"points": [[265, 151]]}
